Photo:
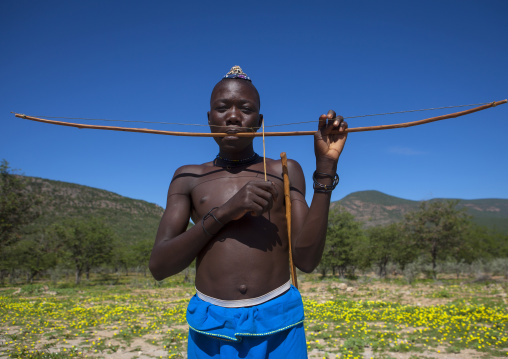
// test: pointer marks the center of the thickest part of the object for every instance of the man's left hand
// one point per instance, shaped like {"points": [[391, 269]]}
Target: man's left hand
{"points": [[330, 137]]}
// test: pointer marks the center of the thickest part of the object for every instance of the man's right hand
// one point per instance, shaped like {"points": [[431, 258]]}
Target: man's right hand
{"points": [[256, 198]]}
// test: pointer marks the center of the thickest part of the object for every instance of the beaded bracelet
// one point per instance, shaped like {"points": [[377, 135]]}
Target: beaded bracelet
{"points": [[208, 215], [323, 188]]}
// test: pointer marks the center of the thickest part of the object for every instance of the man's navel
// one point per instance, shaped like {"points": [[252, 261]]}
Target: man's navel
{"points": [[242, 288]]}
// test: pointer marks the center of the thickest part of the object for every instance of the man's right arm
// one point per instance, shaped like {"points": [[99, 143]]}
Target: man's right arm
{"points": [[176, 247]]}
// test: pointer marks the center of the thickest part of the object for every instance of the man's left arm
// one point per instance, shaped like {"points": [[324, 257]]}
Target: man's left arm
{"points": [[309, 225]]}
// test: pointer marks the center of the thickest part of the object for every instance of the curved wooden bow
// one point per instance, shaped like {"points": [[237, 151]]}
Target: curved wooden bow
{"points": [[256, 134]]}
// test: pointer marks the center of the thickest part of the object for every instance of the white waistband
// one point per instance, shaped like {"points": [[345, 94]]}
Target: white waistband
{"points": [[245, 302]]}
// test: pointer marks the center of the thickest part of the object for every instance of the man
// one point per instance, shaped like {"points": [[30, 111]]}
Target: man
{"points": [[245, 305]]}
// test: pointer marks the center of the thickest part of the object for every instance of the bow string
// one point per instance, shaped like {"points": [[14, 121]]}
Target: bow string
{"points": [[251, 131]]}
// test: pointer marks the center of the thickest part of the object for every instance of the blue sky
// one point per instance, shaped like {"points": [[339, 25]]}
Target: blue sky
{"points": [[158, 61]]}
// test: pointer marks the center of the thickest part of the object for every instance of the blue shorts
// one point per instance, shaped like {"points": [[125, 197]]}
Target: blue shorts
{"points": [[273, 329]]}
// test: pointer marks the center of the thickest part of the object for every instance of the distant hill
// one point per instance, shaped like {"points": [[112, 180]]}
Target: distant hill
{"points": [[136, 220], [375, 208], [131, 219]]}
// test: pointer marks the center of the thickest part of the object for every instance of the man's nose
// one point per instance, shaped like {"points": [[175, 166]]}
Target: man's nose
{"points": [[234, 116]]}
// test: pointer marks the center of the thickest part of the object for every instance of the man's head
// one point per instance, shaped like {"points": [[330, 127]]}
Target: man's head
{"points": [[236, 73], [234, 107]]}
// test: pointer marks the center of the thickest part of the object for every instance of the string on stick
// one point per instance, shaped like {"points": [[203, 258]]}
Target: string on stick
{"points": [[264, 150], [255, 134], [252, 128]]}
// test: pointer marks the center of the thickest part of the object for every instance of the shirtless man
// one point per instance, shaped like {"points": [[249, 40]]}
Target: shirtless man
{"points": [[245, 306]]}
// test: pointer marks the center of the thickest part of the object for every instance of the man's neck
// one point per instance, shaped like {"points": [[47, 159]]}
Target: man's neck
{"points": [[231, 163]]}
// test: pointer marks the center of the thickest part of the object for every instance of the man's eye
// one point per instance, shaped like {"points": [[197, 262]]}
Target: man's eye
{"points": [[247, 110]]}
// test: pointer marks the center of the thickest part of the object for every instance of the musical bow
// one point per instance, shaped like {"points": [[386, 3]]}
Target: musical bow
{"points": [[266, 134]]}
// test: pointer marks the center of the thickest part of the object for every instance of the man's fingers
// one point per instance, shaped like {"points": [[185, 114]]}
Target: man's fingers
{"points": [[274, 191], [331, 127], [336, 121], [322, 121], [259, 208], [337, 126], [265, 194], [266, 190], [329, 122]]}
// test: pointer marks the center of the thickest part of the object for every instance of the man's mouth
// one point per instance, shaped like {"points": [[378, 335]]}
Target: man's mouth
{"points": [[233, 131]]}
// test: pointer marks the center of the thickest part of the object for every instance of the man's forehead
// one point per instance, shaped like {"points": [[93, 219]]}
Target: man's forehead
{"points": [[245, 88], [239, 82]]}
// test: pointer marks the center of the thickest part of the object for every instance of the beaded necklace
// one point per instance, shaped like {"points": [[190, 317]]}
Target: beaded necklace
{"points": [[235, 163]]}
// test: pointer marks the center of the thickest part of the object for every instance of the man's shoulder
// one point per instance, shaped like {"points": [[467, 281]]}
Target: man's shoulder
{"points": [[277, 163], [191, 171]]}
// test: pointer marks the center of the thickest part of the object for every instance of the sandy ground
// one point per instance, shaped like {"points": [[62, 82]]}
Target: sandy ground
{"points": [[320, 291]]}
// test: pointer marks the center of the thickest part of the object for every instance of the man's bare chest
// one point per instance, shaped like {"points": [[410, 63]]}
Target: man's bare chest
{"points": [[217, 188]]}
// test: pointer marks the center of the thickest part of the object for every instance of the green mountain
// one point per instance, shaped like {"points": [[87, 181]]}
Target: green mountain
{"points": [[133, 220], [375, 208]]}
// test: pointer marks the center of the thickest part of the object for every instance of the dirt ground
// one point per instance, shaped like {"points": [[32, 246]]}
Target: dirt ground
{"points": [[321, 291]]}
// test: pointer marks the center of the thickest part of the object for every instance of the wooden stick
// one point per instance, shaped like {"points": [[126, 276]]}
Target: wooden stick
{"points": [[264, 151], [255, 134], [287, 198]]}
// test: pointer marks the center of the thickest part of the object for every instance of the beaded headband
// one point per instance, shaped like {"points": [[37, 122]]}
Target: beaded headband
{"points": [[237, 73]]}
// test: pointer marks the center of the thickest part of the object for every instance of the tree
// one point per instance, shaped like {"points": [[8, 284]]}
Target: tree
{"points": [[39, 252], [438, 229], [389, 244], [381, 243], [405, 251], [16, 206], [123, 257], [89, 243], [481, 242], [342, 241], [141, 253], [17, 209]]}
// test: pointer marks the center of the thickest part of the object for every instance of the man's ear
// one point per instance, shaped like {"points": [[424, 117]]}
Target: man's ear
{"points": [[208, 116]]}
